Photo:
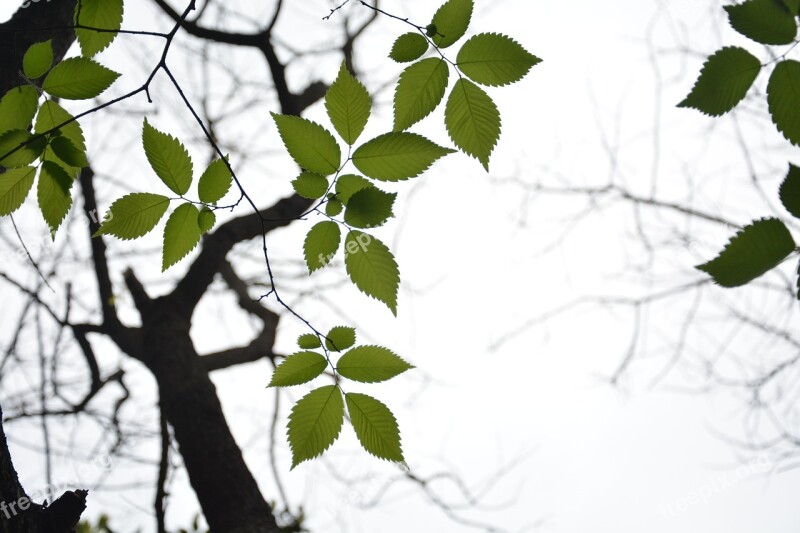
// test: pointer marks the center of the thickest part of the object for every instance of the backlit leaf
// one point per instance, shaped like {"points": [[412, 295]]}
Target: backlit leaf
{"points": [[215, 182], [783, 97], [17, 108], [315, 422], [321, 244], [169, 159], [311, 146], [15, 184], [19, 148], [349, 184], [181, 234], [397, 156], [101, 15], [298, 368], [451, 21], [308, 341], [348, 104], [54, 194], [38, 59], [78, 78], [408, 47], [724, 81], [790, 191], [134, 215], [494, 59], [375, 426], [472, 120], [369, 208], [310, 185], [372, 268], [371, 364], [340, 338], [764, 21], [420, 89]]}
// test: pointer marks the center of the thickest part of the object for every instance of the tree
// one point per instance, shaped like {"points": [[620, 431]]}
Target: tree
{"points": [[35, 43]]}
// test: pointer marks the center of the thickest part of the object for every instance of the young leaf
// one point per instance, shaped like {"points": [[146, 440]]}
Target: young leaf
{"points": [[21, 148], [206, 220], [17, 108], [51, 115], [321, 244], [168, 158], [397, 156], [408, 47], [99, 14], [369, 208], [348, 185], [315, 422], [754, 250], [783, 97], [340, 338], [764, 21], [78, 78], [65, 150], [37, 60], [451, 22], [54, 194], [494, 59], [15, 184], [420, 89], [215, 182], [311, 146], [724, 81], [298, 368], [181, 234], [308, 341], [134, 215], [372, 268], [310, 185], [333, 207], [375, 426], [348, 104], [371, 364], [790, 191], [472, 120]]}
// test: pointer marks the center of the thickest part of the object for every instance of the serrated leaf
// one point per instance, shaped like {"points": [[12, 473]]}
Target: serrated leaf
{"points": [[78, 78], [315, 422], [17, 108], [215, 182], [311, 146], [310, 185], [321, 244], [375, 426], [37, 59], [790, 191], [169, 159], [397, 156], [21, 147], [68, 152], [451, 21], [52, 115], [333, 207], [340, 338], [101, 15], [53, 193], [369, 208], [348, 104], [408, 47], [419, 90], [371, 364], [764, 21], [494, 59], [298, 368], [783, 97], [308, 341], [472, 120], [753, 251], [15, 184], [348, 185], [726, 77], [134, 215], [181, 234], [206, 220], [372, 268]]}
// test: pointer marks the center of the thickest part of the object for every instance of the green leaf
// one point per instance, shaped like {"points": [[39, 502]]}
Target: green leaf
{"points": [[369, 208], [348, 104], [21, 147], [52, 115], [17, 108], [168, 158], [340, 338], [494, 59], [206, 220], [315, 422], [397, 156], [420, 89], [99, 14], [134, 215], [78, 78], [790, 191], [311, 146], [451, 22], [753, 251], [308, 341], [371, 364], [215, 182], [310, 185], [472, 120], [348, 185], [724, 81], [793, 6], [298, 368], [68, 152], [15, 184], [321, 244], [375, 426], [55, 198], [181, 234], [764, 21], [37, 60], [372, 268], [408, 47], [333, 207], [783, 97]]}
